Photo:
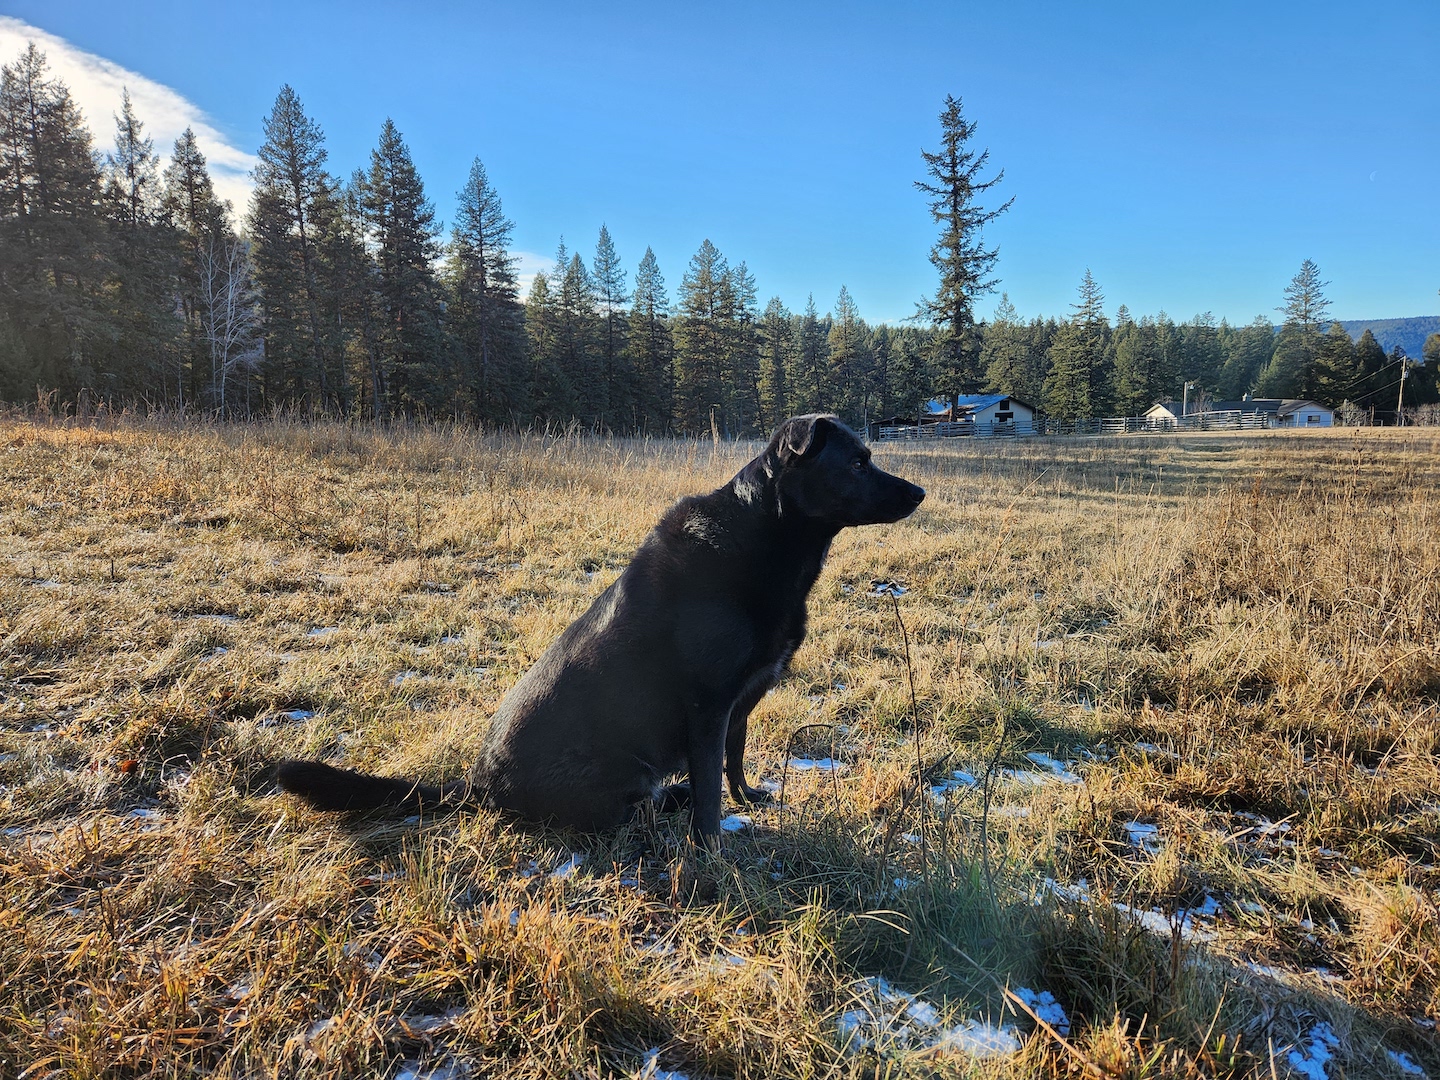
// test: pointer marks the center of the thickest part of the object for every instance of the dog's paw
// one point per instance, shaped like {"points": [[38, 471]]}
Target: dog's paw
{"points": [[753, 795]]}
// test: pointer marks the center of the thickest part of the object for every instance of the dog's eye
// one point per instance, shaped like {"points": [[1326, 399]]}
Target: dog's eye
{"points": [[858, 464]]}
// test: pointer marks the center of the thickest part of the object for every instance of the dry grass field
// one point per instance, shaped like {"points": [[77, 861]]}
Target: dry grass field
{"points": [[1177, 767]]}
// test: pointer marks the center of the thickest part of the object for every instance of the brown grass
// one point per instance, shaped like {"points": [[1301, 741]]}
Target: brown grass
{"points": [[1234, 638]]}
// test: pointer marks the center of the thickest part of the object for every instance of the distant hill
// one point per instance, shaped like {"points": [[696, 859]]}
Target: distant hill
{"points": [[1409, 334]]}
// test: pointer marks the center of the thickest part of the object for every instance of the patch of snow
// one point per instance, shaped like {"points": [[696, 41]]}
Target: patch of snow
{"points": [[1007, 810], [318, 1028], [736, 823], [377, 879], [1059, 769], [322, 631], [1311, 1061], [886, 588], [888, 1019], [651, 1069], [1156, 751], [817, 765], [1143, 837], [1044, 1005], [978, 1039], [429, 1024], [565, 869], [445, 1070], [404, 676], [1405, 1063]]}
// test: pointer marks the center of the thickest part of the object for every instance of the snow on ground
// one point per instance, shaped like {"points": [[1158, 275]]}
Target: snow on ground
{"points": [[889, 1019]]}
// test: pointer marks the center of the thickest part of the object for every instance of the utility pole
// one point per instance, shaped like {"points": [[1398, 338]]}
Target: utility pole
{"points": [[1185, 400], [1400, 401]]}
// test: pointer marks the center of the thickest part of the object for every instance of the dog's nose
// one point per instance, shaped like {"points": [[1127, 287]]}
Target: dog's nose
{"points": [[917, 493]]}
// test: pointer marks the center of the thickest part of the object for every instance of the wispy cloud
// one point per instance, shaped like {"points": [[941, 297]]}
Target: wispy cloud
{"points": [[96, 85]]}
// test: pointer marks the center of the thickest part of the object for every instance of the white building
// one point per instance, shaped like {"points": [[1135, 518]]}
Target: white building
{"points": [[1278, 412]]}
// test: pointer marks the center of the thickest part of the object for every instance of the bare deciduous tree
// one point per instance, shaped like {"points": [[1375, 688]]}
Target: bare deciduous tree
{"points": [[230, 310]]}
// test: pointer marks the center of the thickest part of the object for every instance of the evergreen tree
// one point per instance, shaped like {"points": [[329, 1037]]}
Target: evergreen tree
{"points": [[964, 263], [742, 410], [145, 266], [484, 313], [292, 191], [701, 352], [1006, 356], [1201, 358], [1337, 370], [613, 391], [1075, 387], [807, 382], [132, 171], [882, 360], [551, 395], [400, 226], [1247, 351], [577, 338], [775, 360], [652, 348], [912, 381], [52, 260], [189, 205], [1291, 371], [850, 375], [1146, 357]]}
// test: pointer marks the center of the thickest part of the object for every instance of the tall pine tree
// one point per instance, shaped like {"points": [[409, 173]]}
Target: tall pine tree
{"points": [[400, 225], [1291, 371], [1075, 388], [613, 389], [53, 261], [485, 315], [960, 256], [292, 198], [652, 348]]}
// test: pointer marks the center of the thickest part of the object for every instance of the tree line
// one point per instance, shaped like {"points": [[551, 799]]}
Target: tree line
{"points": [[125, 279]]}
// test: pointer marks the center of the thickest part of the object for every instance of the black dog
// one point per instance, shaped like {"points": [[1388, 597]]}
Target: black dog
{"points": [[659, 676]]}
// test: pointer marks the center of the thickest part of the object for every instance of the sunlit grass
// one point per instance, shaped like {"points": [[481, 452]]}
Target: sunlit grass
{"points": [[1233, 639]]}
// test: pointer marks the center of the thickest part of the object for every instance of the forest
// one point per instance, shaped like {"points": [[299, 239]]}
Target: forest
{"points": [[125, 281]]}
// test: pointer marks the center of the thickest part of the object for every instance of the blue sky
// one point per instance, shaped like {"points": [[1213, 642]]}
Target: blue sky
{"points": [[1190, 155]]}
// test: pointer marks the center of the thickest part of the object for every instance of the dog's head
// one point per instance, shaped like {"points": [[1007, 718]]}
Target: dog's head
{"points": [[823, 471]]}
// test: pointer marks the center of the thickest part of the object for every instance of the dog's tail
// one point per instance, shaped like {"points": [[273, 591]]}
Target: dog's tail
{"points": [[327, 788]]}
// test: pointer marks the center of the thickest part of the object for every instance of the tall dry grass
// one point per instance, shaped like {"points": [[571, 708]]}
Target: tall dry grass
{"points": [[1233, 639]]}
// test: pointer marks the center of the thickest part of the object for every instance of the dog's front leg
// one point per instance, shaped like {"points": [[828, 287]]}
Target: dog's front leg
{"points": [[706, 752], [739, 725]]}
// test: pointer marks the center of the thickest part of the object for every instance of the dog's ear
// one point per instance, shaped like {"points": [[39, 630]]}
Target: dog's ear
{"points": [[802, 437]]}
